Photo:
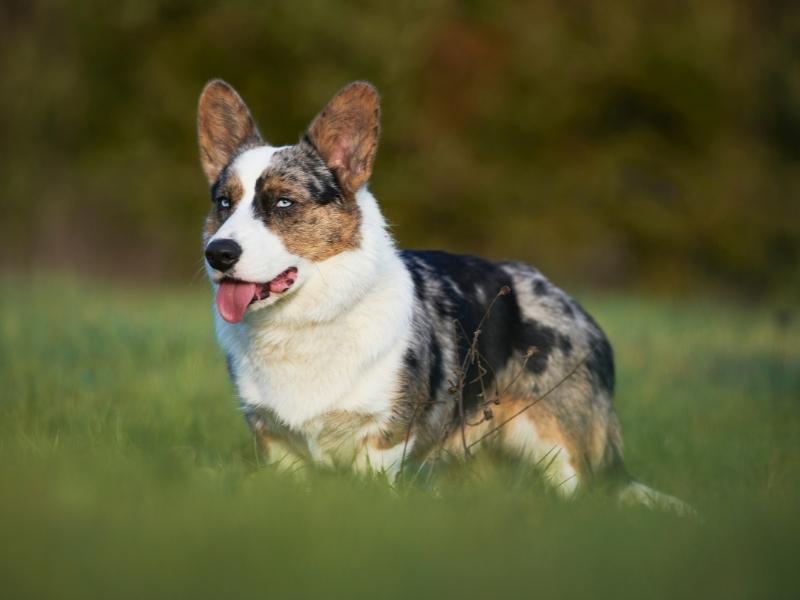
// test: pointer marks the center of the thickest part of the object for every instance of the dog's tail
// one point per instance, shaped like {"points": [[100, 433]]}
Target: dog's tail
{"points": [[635, 492]]}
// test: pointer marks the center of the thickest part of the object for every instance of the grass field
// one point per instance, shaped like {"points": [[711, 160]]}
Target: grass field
{"points": [[126, 471]]}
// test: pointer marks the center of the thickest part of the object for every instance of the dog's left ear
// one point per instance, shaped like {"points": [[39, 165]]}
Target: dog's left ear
{"points": [[346, 133], [224, 126]]}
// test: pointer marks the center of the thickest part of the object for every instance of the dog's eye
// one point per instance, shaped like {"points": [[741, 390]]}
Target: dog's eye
{"points": [[283, 203], [223, 202]]}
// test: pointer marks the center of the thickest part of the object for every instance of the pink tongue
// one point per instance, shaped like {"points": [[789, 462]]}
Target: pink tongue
{"points": [[233, 298]]}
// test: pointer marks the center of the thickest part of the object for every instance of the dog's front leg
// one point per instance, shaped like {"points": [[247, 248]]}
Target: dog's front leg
{"points": [[281, 448]]}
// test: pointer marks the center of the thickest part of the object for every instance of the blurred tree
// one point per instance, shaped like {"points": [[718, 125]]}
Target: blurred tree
{"points": [[639, 143]]}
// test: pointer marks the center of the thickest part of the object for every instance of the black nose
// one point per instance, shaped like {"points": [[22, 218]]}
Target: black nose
{"points": [[223, 254]]}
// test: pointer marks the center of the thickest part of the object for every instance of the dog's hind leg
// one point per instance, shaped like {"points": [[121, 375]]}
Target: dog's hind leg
{"points": [[532, 431], [572, 439], [578, 449], [539, 444], [577, 444]]}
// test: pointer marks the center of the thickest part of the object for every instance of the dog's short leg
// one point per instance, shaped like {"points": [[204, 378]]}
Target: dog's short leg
{"points": [[281, 451], [574, 453], [547, 453], [380, 454], [571, 440]]}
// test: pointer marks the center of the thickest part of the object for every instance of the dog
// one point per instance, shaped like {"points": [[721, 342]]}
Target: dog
{"points": [[348, 352]]}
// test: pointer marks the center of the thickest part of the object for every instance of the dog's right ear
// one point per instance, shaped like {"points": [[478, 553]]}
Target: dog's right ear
{"points": [[224, 126]]}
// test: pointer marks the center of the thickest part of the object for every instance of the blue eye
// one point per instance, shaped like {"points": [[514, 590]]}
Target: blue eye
{"points": [[224, 202], [283, 203]]}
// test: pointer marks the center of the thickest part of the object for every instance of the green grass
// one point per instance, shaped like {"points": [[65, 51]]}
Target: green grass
{"points": [[126, 471]]}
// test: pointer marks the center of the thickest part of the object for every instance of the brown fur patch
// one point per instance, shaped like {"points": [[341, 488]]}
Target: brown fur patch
{"points": [[346, 134], [224, 127], [308, 228], [386, 440], [548, 427], [592, 446]]}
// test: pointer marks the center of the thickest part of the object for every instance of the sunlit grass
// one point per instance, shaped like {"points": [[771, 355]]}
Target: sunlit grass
{"points": [[126, 470]]}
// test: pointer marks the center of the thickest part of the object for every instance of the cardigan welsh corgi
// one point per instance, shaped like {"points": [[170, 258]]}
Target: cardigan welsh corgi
{"points": [[348, 352]]}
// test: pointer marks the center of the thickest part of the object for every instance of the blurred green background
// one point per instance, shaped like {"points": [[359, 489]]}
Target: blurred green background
{"points": [[648, 147], [628, 144]]}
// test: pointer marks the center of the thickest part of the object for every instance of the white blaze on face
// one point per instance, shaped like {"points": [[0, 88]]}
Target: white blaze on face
{"points": [[264, 255]]}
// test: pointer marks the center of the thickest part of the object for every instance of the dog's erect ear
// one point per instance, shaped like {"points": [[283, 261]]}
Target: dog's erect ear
{"points": [[224, 125], [345, 134]]}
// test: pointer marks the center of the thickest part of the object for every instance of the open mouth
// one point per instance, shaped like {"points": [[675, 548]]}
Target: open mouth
{"points": [[234, 296]]}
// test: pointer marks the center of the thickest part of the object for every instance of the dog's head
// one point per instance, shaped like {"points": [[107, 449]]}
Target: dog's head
{"points": [[276, 212]]}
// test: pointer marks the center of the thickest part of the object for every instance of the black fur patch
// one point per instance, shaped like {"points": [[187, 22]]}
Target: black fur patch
{"points": [[465, 286], [436, 376], [601, 363], [540, 287], [416, 275], [566, 308], [412, 362], [539, 337]]}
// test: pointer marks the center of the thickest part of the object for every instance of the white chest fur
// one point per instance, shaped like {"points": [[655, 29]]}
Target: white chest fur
{"points": [[336, 344]]}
